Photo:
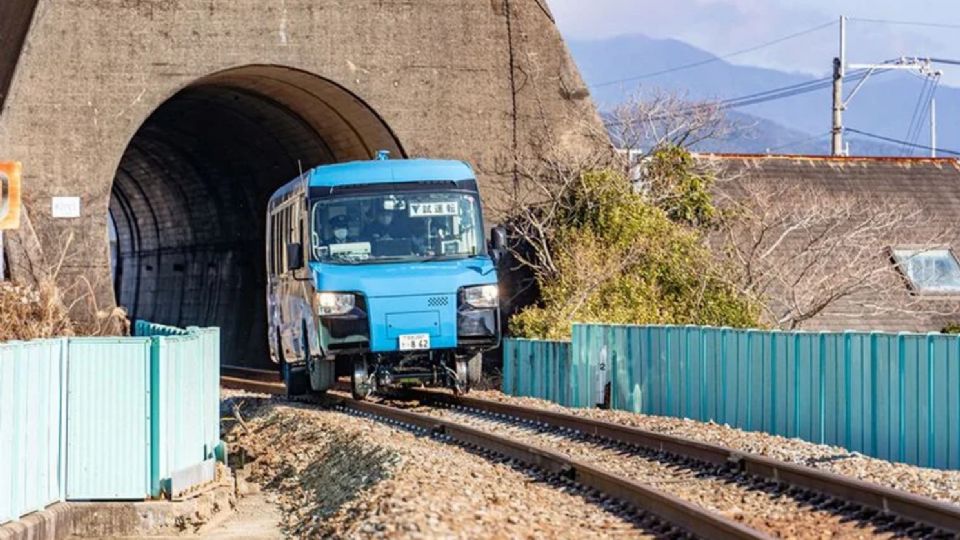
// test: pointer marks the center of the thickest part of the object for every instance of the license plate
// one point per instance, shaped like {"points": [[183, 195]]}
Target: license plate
{"points": [[415, 342]]}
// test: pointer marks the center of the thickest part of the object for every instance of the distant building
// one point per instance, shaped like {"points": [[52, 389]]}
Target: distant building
{"points": [[917, 233]]}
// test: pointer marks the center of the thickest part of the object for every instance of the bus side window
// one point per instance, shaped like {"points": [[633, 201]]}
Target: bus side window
{"points": [[271, 239], [276, 242], [282, 240]]}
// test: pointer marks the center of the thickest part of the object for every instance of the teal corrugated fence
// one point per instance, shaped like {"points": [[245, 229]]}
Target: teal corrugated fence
{"points": [[542, 369], [149, 329], [892, 396], [185, 400], [108, 418], [31, 416], [105, 418]]}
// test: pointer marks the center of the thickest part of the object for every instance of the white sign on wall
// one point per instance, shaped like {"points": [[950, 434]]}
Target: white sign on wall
{"points": [[66, 207]]}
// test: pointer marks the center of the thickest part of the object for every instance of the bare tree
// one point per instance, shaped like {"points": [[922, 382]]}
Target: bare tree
{"points": [[802, 250], [648, 121]]}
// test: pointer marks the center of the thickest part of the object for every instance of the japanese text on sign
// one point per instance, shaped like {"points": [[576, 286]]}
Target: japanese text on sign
{"points": [[434, 209]]}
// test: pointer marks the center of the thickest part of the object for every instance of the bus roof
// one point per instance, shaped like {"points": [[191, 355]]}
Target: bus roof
{"points": [[389, 171]]}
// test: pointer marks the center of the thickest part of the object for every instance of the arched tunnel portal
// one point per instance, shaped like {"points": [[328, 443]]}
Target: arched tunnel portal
{"points": [[190, 193]]}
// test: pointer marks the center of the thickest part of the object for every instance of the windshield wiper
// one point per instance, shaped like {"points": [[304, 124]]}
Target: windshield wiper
{"points": [[456, 257]]}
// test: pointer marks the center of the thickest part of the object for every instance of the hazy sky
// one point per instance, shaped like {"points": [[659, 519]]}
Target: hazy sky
{"points": [[723, 26]]}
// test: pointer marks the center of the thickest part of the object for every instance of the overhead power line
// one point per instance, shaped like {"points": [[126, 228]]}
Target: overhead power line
{"points": [[772, 94], [916, 119], [900, 142], [914, 136], [715, 58], [905, 23]]}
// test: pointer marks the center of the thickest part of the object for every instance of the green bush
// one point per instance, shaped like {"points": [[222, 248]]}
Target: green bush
{"points": [[679, 189], [620, 258]]}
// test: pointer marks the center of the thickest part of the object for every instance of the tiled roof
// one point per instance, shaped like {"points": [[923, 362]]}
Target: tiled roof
{"points": [[929, 184]]}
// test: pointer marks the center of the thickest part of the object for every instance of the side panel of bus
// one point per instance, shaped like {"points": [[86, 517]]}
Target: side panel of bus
{"points": [[292, 327]]}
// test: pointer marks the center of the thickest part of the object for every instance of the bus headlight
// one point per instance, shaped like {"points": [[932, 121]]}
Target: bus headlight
{"points": [[329, 303], [482, 297]]}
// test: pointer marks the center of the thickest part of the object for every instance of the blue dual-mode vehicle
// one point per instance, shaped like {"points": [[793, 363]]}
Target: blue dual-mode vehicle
{"points": [[379, 269]]}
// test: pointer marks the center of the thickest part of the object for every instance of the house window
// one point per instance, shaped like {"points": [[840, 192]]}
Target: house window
{"points": [[929, 270]]}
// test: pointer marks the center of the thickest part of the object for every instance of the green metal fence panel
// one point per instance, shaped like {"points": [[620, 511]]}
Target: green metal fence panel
{"points": [[149, 329], [108, 419], [30, 420], [539, 369], [210, 358], [105, 418], [185, 394], [587, 359], [893, 396]]}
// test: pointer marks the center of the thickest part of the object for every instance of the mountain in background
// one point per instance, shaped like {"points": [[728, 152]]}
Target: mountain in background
{"points": [[798, 124]]}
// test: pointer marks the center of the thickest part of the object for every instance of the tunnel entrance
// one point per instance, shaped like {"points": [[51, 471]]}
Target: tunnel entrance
{"points": [[189, 196]]}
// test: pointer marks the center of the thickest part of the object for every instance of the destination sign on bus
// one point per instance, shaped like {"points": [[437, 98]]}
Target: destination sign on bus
{"points": [[434, 209]]}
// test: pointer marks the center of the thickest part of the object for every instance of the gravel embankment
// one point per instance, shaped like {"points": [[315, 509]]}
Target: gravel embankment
{"points": [[778, 515], [341, 476], [936, 484]]}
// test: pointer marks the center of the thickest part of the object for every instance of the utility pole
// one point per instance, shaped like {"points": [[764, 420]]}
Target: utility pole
{"points": [[839, 67], [933, 127]]}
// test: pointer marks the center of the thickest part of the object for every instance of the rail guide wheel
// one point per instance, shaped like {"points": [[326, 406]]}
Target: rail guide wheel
{"points": [[461, 384], [361, 381]]}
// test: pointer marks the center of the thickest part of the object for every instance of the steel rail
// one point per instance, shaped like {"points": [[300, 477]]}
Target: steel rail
{"points": [[684, 515], [678, 512], [872, 496], [252, 385], [906, 505]]}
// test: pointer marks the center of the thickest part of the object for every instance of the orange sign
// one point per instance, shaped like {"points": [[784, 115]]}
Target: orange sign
{"points": [[9, 195]]}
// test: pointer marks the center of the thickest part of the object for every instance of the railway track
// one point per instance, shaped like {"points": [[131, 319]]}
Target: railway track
{"points": [[703, 489]]}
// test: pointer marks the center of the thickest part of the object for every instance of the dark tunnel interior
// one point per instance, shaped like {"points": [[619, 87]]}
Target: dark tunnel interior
{"points": [[190, 194]]}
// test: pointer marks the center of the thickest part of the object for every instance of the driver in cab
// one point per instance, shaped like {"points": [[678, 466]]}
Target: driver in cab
{"points": [[380, 228], [340, 225]]}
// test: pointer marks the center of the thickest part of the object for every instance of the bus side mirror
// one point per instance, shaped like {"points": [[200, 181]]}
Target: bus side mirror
{"points": [[498, 244], [294, 256]]}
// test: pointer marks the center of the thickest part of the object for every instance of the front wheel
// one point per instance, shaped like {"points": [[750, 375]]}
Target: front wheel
{"points": [[295, 379], [361, 383]]}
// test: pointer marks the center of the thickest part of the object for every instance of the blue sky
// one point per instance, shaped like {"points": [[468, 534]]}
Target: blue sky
{"points": [[722, 26]]}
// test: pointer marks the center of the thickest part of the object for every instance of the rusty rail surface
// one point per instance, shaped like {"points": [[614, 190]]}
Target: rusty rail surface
{"points": [[905, 505], [678, 512], [689, 517]]}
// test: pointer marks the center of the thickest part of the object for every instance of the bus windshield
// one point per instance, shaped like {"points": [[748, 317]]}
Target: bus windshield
{"points": [[404, 226]]}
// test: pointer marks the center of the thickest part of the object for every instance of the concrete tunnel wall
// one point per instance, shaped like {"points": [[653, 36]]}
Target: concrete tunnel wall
{"points": [[177, 118]]}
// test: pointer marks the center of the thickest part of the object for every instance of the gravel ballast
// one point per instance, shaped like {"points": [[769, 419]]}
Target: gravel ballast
{"points": [[768, 511], [341, 476], [937, 484]]}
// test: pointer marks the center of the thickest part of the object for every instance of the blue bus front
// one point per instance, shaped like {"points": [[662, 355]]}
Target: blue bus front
{"points": [[405, 290]]}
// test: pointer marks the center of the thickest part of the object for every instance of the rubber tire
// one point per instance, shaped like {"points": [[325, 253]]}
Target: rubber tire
{"points": [[474, 370], [296, 379]]}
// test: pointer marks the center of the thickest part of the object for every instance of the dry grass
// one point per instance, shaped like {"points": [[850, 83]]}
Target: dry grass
{"points": [[42, 311], [32, 312]]}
